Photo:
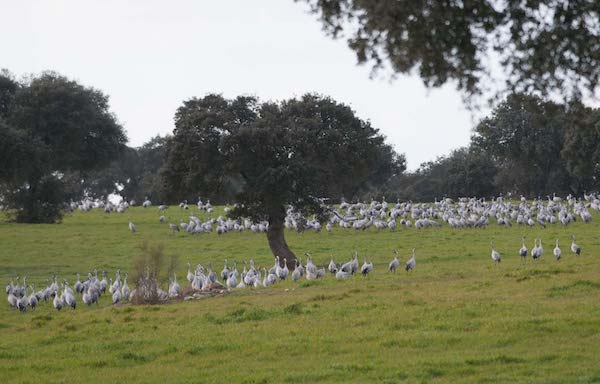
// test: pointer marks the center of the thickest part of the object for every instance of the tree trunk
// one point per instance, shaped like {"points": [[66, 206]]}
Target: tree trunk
{"points": [[276, 238]]}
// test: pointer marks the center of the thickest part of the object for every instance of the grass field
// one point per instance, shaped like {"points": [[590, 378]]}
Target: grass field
{"points": [[457, 318]]}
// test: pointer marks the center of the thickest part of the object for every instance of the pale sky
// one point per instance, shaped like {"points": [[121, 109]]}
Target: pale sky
{"points": [[150, 56]]}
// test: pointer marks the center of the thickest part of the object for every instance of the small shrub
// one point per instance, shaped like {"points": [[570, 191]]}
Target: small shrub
{"points": [[147, 272]]}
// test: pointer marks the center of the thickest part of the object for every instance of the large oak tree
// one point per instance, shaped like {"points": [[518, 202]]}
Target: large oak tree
{"points": [[51, 126], [292, 153]]}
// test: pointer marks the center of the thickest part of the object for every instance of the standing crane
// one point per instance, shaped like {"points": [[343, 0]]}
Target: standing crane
{"points": [[495, 254], [410, 264], [393, 266], [576, 249], [557, 251], [523, 250]]}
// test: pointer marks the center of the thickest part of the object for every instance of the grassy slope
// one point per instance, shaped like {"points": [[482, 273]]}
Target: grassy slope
{"points": [[457, 318]]}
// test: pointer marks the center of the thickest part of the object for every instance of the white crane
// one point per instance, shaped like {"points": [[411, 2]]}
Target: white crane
{"points": [[557, 252], [174, 287], [132, 227], [495, 254], [393, 266], [347, 267], [232, 281], [22, 304], [332, 267], [299, 267], [103, 283], [10, 286], [354, 264], [539, 250], [57, 302], [297, 273], [366, 267], [78, 285], [523, 250], [12, 299], [225, 272], [342, 274], [68, 296], [534, 250], [285, 271], [125, 291], [276, 269], [576, 249], [212, 275], [267, 280], [311, 269], [410, 264], [33, 300], [116, 297], [87, 297]]}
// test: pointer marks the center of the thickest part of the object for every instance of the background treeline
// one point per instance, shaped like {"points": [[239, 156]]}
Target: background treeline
{"points": [[59, 142], [527, 146]]}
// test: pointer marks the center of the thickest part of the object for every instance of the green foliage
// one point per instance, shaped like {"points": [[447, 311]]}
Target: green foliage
{"points": [[274, 154], [271, 155], [582, 146], [303, 149], [149, 268], [52, 127], [464, 172], [543, 46], [526, 146], [133, 174], [525, 136], [194, 163]]}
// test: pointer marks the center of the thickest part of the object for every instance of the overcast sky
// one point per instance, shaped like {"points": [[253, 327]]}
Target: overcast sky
{"points": [[149, 56]]}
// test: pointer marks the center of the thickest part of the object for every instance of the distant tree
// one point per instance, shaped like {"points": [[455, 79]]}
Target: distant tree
{"points": [[543, 46], [146, 183], [53, 126], [469, 172], [582, 146], [524, 137], [388, 164], [133, 174], [464, 172], [284, 154]]}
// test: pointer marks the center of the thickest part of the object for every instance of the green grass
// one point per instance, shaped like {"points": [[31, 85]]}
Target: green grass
{"points": [[456, 318]]}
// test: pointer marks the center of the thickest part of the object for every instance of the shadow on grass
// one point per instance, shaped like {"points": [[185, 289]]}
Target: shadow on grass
{"points": [[579, 286]]}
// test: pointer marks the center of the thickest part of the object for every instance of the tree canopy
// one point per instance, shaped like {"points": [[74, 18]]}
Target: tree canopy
{"points": [[133, 174], [292, 153], [194, 160], [51, 126], [525, 136], [543, 46]]}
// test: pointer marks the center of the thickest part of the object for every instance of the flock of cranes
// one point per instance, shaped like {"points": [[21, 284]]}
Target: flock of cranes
{"points": [[463, 213], [202, 279], [537, 250], [91, 289], [359, 216], [63, 296]]}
